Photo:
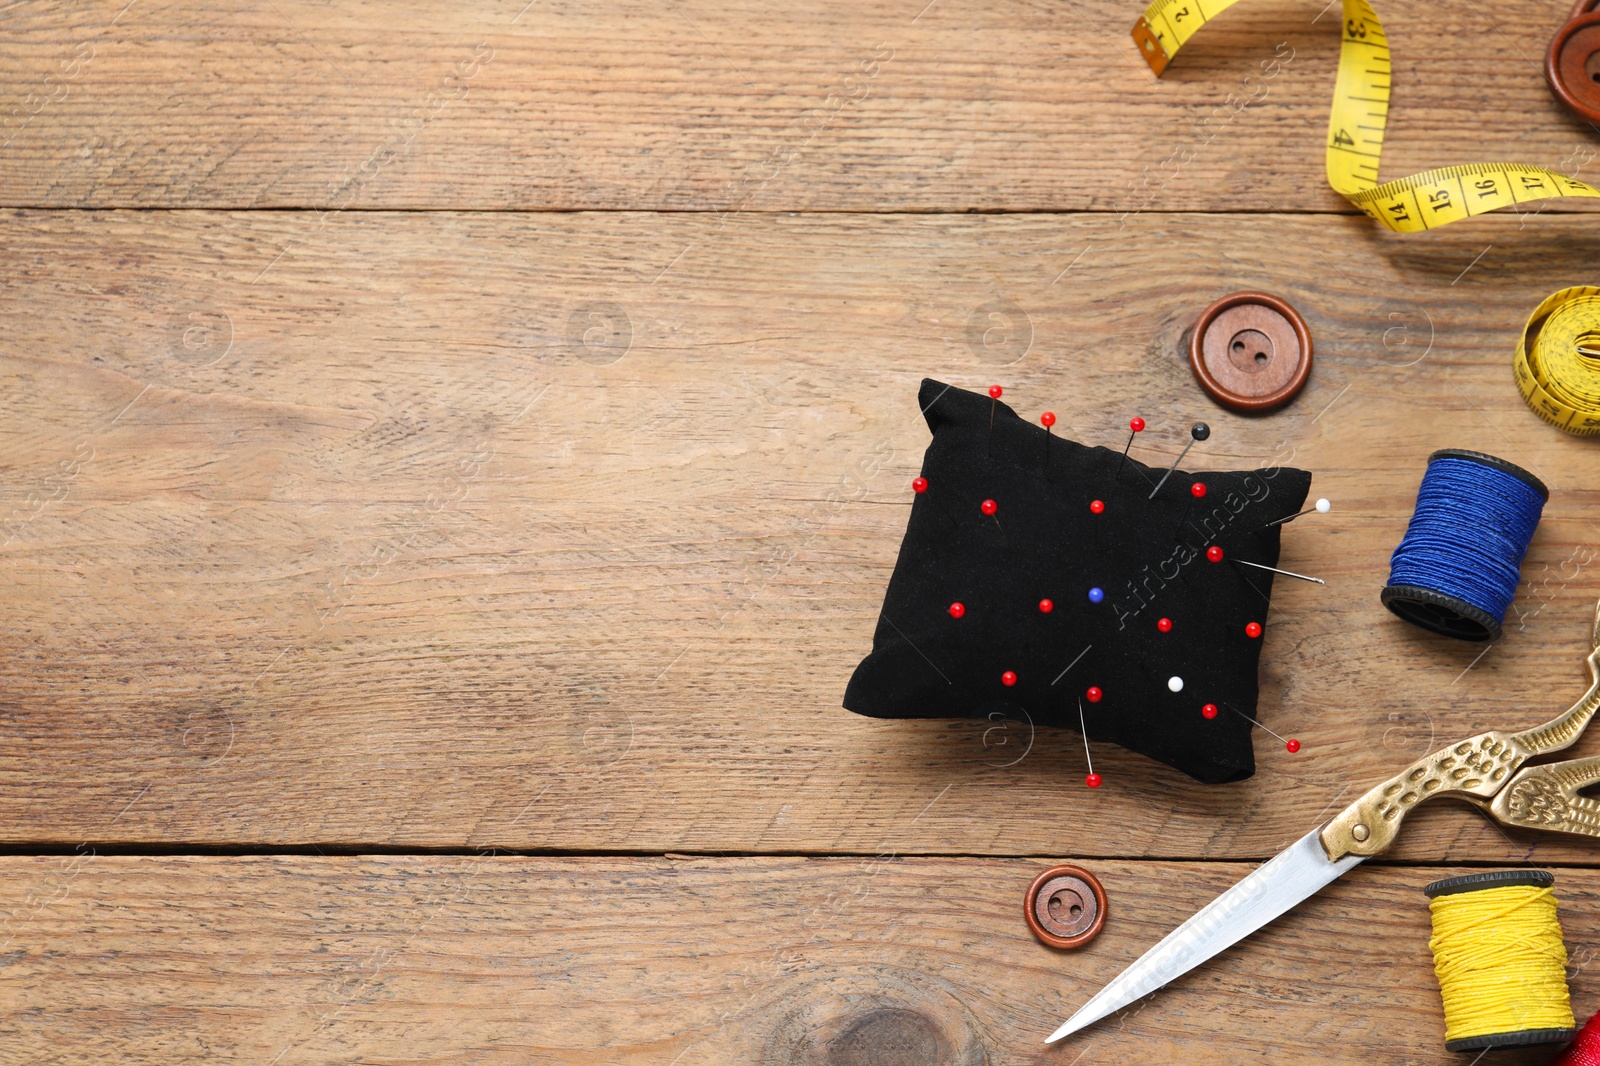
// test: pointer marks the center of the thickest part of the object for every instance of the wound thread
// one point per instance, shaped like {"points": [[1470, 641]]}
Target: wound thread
{"points": [[1458, 566], [1500, 959]]}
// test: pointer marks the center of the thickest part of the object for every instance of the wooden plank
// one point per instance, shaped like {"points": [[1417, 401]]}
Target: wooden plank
{"points": [[438, 530], [705, 106], [769, 961]]}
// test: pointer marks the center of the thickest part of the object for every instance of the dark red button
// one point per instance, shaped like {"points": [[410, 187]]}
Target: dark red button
{"points": [[1066, 907], [1572, 65], [1251, 352]]}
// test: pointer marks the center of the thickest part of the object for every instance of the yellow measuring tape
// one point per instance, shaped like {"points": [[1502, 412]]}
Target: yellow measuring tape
{"points": [[1558, 360], [1355, 128]]}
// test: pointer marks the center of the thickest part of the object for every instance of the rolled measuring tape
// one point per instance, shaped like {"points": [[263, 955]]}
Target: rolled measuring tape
{"points": [[1458, 566], [1356, 123], [1500, 960], [1558, 360]]}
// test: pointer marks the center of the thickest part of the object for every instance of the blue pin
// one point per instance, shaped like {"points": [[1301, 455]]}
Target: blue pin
{"points": [[1096, 595]]}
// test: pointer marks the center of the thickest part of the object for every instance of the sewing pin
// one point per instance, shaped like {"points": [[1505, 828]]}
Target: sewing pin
{"points": [[1197, 432], [920, 487], [995, 392], [1048, 419], [989, 507], [1093, 780], [1290, 744], [1135, 427], [1322, 507], [1197, 491], [1285, 573]]}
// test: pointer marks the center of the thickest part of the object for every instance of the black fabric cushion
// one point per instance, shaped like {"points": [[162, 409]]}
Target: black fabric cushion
{"points": [[1044, 542]]}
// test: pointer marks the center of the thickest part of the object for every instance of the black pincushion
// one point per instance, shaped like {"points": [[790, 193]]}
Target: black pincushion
{"points": [[1044, 542]]}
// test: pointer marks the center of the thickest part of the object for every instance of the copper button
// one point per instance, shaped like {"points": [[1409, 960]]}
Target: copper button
{"points": [[1251, 351], [1572, 66], [1065, 907]]}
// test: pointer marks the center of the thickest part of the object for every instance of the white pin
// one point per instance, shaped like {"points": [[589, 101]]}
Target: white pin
{"points": [[1322, 507]]}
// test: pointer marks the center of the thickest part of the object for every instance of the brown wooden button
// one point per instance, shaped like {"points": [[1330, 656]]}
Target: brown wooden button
{"points": [[1572, 65], [1065, 907], [1251, 351]]}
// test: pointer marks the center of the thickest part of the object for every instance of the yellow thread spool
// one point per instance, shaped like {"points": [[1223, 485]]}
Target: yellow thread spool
{"points": [[1501, 962]]}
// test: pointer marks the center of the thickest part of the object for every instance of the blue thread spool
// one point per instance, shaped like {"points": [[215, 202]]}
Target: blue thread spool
{"points": [[1458, 566]]}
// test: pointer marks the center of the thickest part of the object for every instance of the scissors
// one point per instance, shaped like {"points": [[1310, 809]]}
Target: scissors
{"points": [[1485, 770]]}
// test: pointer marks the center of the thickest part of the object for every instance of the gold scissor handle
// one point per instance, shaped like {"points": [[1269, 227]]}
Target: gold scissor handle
{"points": [[1546, 797], [1477, 770]]}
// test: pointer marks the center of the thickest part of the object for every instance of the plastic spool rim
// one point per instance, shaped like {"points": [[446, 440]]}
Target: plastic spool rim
{"points": [[1451, 886], [1436, 611]]}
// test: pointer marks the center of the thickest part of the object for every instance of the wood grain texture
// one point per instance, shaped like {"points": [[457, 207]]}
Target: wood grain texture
{"points": [[565, 531], [694, 105], [760, 961]]}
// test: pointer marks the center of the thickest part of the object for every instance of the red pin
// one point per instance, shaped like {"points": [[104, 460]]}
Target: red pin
{"points": [[958, 610], [1197, 491], [1135, 426], [1093, 780], [1290, 744], [995, 392], [1046, 606], [1197, 432], [1047, 419], [1252, 629], [919, 485], [1214, 554], [1008, 679], [988, 507], [1164, 625]]}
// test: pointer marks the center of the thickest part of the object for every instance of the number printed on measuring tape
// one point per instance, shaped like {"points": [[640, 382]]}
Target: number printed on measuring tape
{"points": [[1356, 123]]}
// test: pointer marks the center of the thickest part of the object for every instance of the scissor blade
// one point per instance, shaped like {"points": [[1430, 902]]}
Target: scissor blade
{"points": [[1295, 874]]}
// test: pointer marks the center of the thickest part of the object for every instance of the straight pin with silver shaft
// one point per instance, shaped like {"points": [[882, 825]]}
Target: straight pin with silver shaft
{"points": [[1197, 432]]}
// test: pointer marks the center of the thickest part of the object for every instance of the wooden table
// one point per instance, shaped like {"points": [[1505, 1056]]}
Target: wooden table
{"points": [[452, 457]]}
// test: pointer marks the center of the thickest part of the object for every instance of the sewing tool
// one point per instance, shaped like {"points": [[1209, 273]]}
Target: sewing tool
{"points": [[1500, 959], [1572, 60], [1135, 427], [1251, 352], [1072, 598], [1093, 780], [1486, 770], [1557, 363], [1322, 507], [1065, 907], [1197, 491], [1356, 123], [1048, 420], [1290, 744], [1285, 573], [1197, 432], [1459, 563]]}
